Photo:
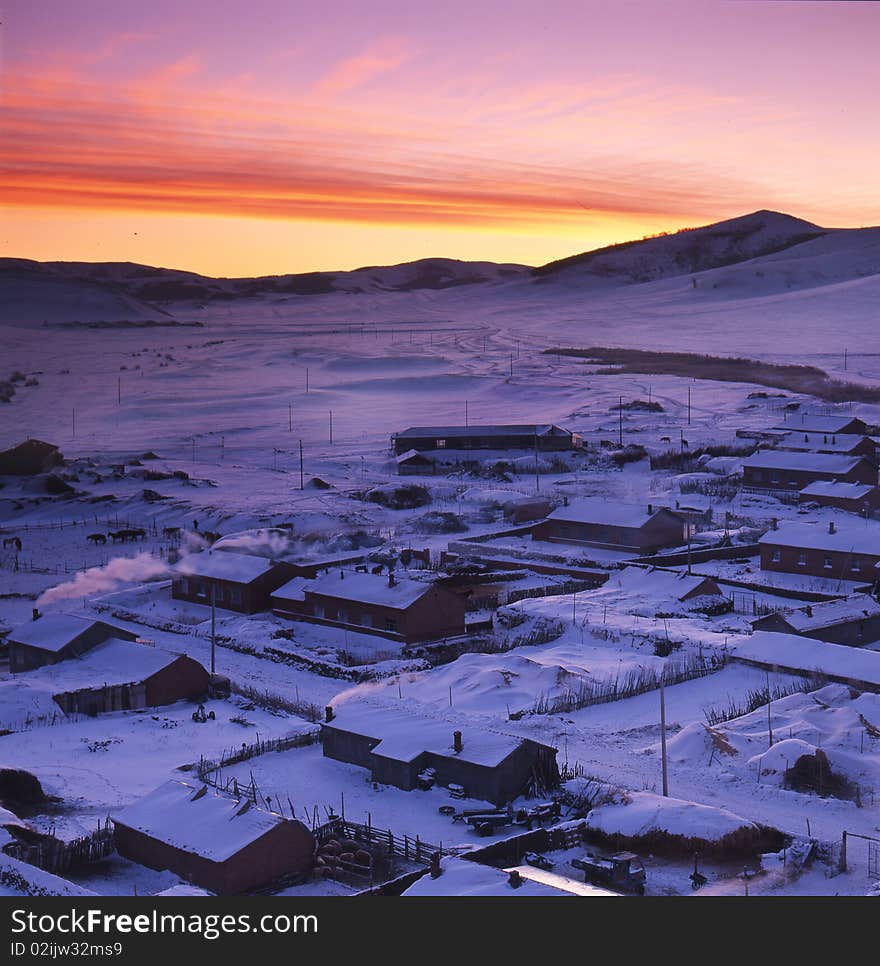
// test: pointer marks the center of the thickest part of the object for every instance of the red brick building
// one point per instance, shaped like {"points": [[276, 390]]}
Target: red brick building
{"points": [[238, 581], [858, 498], [57, 637], [834, 551], [783, 470], [400, 610], [222, 844], [641, 529]]}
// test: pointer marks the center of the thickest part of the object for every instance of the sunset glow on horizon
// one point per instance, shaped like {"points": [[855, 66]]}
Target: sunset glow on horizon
{"points": [[272, 136]]}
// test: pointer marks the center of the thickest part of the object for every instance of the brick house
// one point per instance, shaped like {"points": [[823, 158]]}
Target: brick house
{"points": [[824, 425], [238, 581], [29, 458], [841, 445], [397, 745], [783, 470], [853, 497], [118, 675], [222, 844], [600, 523], [853, 620], [546, 438], [400, 610], [838, 552], [57, 637]]}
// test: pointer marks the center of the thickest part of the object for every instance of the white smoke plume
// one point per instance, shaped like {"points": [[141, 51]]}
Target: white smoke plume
{"points": [[97, 580], [274, 541]]}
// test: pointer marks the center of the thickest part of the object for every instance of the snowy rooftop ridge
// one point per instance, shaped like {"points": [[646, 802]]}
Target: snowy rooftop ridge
{"points": [[225, 565], [840, 490], [600, 510], [814, 423], [51, 632], [207, 824], [791, 460], [860, 536], [359, 587], [536, 429], [827, 613]]}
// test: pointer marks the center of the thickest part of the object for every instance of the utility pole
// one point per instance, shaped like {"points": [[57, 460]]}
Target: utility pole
{"points": [[307, 379], [689, 405], [118, 390], [511, 365], [537, 467], [844, 360], [213, 626], [574, 598], [663, 736], [73, 416], [289, 418], [769, 719], [687, 524], [331, 427], [466, 412], [620, 421], [302, 484]]}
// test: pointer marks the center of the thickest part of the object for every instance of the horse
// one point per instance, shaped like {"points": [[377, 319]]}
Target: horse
{"points": [[171, 532], [14, 542], [121, 535], [137, 533], [97, 538]]}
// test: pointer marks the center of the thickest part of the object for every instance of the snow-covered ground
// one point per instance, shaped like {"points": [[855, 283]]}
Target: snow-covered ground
{"points": [[199, 428]]}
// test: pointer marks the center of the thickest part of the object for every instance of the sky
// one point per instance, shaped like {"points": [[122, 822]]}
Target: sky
{"points": [[274, 136]]}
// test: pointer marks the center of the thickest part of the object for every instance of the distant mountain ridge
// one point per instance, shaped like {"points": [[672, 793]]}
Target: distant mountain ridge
{"points": [[764, 252]]}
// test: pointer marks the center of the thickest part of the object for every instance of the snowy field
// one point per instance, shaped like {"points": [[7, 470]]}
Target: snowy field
{"points": [[199, 428]]}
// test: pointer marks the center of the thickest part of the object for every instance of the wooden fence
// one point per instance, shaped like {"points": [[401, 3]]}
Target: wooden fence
{"points": [[53, 855]]}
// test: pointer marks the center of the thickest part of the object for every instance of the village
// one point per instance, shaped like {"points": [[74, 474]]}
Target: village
{"points": [[633, 651]]}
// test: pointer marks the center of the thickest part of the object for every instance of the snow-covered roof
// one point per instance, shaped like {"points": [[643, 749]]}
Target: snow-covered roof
{"points": [[211, 825], [825, 614], [788, 460], [658, 583], [603, 511], [406, 732], [241, 568], [826, 442], [51, 632], [811, 423], [413, 454], [860, 537], [112, 662], [531, 429], [838, 489], [805, 654], [359, 587]]}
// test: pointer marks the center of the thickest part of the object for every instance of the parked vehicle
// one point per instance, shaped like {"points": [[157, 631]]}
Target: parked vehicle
{"points": [[623, 872]]}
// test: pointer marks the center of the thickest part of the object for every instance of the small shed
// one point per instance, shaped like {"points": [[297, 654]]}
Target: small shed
{"points": [[223, 844], [29, 458], [859, 498], [414, 463], [118, 675], [57, 637]]}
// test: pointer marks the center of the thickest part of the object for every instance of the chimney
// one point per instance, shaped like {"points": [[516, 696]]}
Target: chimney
{"points": [[650, 508], [831, 527], [808, 611], [514, 879], [328, 713], [391, 578], [774, 523], [342, 575], [456, 742], [35, 614]]}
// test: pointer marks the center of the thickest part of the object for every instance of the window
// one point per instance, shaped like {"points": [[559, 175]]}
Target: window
{"points": [[366, 620], [826, 563], [440, 443], [775, 477], [201, 590], [802, 559], [319, 610], [183, 585], [235, 595], [856, 565], [758, 474], [390, 624], [776, 556]]}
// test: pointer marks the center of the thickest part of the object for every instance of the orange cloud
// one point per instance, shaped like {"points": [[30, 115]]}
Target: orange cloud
{"points": [[380, 58]]}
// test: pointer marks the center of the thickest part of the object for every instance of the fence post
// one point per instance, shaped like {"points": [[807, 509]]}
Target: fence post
{"points": [[842, 866]]}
